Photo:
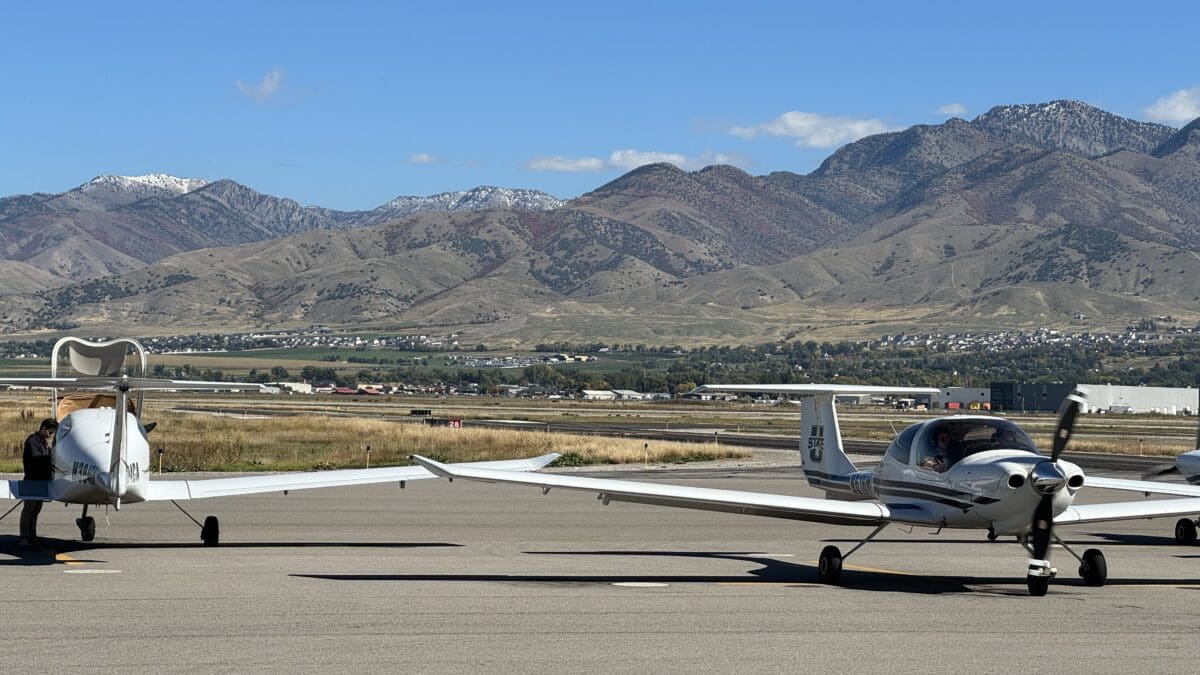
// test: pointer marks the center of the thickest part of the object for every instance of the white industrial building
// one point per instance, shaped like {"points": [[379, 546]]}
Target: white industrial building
{"points": [[1113, 398], [966, 398]]}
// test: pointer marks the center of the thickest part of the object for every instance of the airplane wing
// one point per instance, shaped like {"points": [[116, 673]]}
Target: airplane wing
{"points": [[132, 383], [813, 389], [1147, 487], [703, 499], [178, 490], [1099, 513]]}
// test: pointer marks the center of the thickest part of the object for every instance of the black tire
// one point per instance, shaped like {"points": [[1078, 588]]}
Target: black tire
{"points": [[87, 528], [829, 566], [210, 534], [1094, 568], [1185, 531], [1037, 585]]}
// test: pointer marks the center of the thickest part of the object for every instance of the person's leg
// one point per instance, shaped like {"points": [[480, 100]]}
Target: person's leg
{"points": [[37, 509], [28, 517]]}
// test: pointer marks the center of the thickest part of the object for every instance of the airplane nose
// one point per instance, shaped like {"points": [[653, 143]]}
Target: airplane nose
{"points": [[1047, 478]]}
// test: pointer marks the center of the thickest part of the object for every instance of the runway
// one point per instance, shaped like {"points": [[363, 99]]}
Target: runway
{"points": [[468, 576]]}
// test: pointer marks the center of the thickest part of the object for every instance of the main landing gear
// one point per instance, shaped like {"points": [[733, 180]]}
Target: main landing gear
{"points": [[210, 530], [1093, 568], [1185, 531], [829, 565], [86, 525]]}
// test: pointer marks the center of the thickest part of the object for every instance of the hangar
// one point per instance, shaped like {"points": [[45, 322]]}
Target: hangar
{"points": [[1102, 398]]}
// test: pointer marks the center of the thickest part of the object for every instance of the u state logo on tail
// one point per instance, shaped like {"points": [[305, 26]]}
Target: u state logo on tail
{"points": [[816, 442]]}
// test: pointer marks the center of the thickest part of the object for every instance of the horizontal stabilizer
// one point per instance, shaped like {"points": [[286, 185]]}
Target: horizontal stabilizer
{"points": [[814, 389]]}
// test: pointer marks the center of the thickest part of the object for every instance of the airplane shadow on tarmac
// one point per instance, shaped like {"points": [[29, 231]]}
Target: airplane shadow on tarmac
{"points": [[46, 552], [770, 572]]}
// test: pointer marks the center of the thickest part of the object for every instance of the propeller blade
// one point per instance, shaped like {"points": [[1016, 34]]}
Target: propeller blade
{"points": [[1043, 528], [1160, 470], [1071, 407]]}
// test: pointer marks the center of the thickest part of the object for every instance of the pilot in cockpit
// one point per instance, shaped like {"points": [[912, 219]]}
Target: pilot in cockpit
{"points": [[1005, 438], [943, 453]]}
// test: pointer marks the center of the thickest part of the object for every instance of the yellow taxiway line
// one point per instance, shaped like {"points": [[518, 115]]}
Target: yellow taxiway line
{"points": [[64, 558]]}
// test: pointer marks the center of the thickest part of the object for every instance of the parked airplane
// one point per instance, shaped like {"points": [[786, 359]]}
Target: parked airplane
{"points": [[951, 472], [1188, 466], [102, 458]]}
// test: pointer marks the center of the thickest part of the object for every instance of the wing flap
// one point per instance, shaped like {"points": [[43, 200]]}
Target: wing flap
{"points": [[679, 496], [1143, 486], [177, 490]]}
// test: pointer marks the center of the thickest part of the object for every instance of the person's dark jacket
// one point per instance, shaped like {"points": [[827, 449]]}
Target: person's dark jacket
{"points": [[38, 465]]}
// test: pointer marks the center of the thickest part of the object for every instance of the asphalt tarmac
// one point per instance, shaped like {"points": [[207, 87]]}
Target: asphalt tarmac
{"points": [[474, 577]]}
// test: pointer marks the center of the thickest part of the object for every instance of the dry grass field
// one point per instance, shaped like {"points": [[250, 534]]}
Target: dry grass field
{"points": [[198, 442], [329, 432]]}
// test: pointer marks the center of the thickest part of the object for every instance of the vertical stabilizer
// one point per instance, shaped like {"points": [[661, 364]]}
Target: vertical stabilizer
{"points": [[120, 444], [821, 452]]}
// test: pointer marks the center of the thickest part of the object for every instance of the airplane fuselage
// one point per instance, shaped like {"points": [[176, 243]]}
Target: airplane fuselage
{"points": [[85, 471], [994, 488]]}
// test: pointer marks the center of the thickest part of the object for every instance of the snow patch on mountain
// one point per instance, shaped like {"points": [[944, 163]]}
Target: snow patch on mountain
{"points": [[151, 181], [482, 197]]}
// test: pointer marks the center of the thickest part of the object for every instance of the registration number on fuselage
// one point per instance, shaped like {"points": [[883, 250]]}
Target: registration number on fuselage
{"points": [[82, 471]]}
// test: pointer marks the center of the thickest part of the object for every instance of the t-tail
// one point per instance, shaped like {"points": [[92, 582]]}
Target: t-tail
{"points": [[822, 454]]}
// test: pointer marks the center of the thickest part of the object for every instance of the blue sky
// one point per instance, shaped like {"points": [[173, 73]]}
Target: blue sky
{"points": [[350, 106]]}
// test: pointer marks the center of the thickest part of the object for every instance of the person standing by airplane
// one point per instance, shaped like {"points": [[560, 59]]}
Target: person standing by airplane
{"points": [[38, 467]]}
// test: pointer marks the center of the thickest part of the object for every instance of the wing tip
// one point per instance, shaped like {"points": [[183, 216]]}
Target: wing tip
{"points": [[433, 467]]}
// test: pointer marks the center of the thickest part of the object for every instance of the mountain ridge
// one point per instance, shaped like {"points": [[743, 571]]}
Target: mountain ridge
{"points": [[1046, 214]]}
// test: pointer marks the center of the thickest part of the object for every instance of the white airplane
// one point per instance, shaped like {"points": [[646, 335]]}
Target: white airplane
{"points": [[953, 472], [1188, 466], [102, 458]]}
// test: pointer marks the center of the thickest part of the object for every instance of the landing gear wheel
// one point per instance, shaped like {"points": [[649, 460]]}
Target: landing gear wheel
{"points": [[992, 536], [210, 534], [1094, 569], [829, 566], [87, 528], [1037, 585], [1185, 531]]}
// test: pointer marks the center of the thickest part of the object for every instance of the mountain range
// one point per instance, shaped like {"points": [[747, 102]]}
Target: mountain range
{"points": [[1042, 214]]}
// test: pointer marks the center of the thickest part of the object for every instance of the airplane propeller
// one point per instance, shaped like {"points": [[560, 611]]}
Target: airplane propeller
{"points": [[1048, 478]]}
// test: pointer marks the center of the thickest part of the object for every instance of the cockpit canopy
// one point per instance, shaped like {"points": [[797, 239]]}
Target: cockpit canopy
{"points": [[940, 444]]}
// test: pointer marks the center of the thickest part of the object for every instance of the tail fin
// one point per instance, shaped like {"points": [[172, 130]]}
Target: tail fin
{"points": [[821, 453], [822, 456], [118, 461]]}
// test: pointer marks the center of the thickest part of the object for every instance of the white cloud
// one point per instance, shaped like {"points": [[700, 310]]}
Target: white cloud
{"points": [[813, 130], [264, 90], [566, 164], [424, 158], [624, 160], [632, 159], [953, 109], [1178, 107]]}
